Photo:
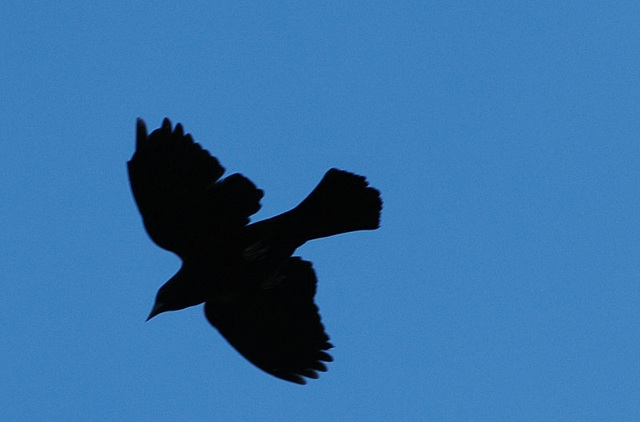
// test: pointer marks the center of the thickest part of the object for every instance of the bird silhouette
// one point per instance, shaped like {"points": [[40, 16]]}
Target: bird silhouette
{"points": [[255, 293]]}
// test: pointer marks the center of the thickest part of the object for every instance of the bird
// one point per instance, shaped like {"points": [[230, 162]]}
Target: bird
{"points": [[255, 292]]}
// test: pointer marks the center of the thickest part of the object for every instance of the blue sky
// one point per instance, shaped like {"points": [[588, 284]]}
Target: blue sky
{"points": [[504, 137]]}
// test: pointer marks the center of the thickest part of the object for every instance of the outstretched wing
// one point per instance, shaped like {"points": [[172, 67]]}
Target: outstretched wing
{"points": [[279, 329], [175, 184]]}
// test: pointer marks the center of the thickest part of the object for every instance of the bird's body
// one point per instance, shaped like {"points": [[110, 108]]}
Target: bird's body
{"points": [[256, 294]]}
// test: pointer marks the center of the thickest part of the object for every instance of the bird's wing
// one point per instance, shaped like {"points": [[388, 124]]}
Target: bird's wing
{"points": [[279, 329], [175, 185]]}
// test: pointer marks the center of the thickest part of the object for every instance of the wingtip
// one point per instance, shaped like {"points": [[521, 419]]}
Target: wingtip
{"points": [[298, 380], [141, 133], [179, 132]]}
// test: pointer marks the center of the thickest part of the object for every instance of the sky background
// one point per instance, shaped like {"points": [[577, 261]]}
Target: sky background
{"points": [[503, 284]]}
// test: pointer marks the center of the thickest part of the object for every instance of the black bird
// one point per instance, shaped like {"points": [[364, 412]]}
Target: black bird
{"points": [[255, 292]]}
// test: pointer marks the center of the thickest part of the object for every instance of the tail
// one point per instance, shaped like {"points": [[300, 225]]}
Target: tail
{"points": [[342, 202]]}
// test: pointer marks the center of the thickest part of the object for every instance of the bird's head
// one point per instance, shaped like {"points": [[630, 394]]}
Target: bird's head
{"points": [[158, 308], [164, 301], [178, 293]]}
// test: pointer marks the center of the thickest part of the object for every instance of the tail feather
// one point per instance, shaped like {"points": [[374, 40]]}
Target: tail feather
{"points": [[342, 202]]}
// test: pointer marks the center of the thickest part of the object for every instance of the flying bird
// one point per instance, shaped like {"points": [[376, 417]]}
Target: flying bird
{"points": [[255, 292]]}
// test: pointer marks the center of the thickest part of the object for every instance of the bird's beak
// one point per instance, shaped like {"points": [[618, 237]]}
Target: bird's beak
{"points": [[157, 309]]}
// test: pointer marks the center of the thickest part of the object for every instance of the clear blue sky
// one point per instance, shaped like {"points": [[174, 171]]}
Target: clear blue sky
{"points": [[503, 284]]}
